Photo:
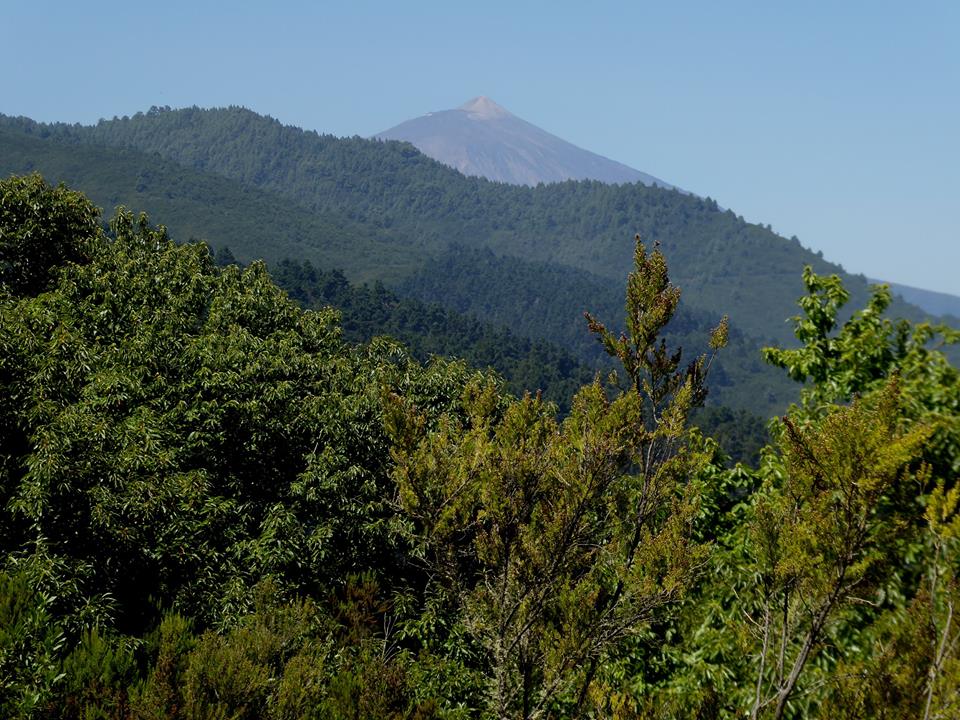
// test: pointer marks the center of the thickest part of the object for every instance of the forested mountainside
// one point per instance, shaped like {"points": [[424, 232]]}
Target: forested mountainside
{"points": [[542, 300], [724, 264], [256, 223], [213, 506], [428, 329]]}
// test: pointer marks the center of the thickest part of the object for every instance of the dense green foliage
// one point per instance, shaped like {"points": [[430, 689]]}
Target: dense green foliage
{"points": [[254, 223], [545, 300], [535, 366], [834, 583], [864, 352], [175, 435], [42, 229], [559, 542], [430, 329], [212, 505]]}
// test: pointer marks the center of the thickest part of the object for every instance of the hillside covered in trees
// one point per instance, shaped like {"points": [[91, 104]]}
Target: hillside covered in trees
{"points": [[213, 505], [382, 211], [535, 366], [426, 206]]}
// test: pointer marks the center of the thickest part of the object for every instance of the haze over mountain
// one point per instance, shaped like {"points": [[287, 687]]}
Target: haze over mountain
{"points": [[482, 138], [937, 303]]}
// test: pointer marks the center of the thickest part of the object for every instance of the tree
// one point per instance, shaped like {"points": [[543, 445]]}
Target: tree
{"points": [[42, 228], [822, 538], [823, 598], [861, 355], [552, 543], [175, 433], [834, 536]]}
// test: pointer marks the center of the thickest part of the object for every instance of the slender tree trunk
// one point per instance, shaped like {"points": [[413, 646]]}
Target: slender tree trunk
{"points": [[582, 696], [939, 648], [757, 699], [812, 635], [784, 634]]}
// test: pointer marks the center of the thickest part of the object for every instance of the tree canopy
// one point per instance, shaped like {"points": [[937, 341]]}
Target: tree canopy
{"points": [[213, 505]]}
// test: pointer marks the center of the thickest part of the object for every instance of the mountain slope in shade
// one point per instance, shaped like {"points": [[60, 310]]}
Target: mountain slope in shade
{"points": [[936, 303], [482, 138]]}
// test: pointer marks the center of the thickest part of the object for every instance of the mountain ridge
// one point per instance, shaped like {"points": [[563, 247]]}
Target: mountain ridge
{"points": [[723, 263], [933, 301], [416, 208]]}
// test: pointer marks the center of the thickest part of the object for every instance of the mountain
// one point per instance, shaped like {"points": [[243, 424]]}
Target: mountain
{"points": [[540, 344], [484, 139], [421, 207], [383, 211], [937, 303]]}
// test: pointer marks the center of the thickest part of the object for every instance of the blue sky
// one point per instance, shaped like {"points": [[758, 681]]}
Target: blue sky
{"points": [[835, 122]]}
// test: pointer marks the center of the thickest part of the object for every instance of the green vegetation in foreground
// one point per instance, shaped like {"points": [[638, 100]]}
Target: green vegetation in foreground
{"points": [[535, 366], [214, 507]]}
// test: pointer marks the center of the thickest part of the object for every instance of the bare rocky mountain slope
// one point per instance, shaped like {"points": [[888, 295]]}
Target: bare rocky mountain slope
{"points": [[482, 138]]}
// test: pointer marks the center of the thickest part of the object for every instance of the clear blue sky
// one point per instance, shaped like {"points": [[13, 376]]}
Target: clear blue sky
{"points": [[838, 122]]}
